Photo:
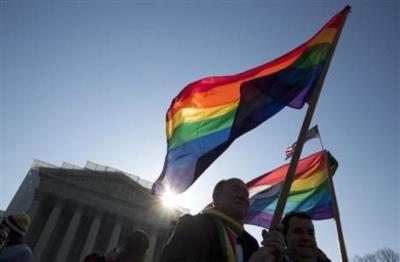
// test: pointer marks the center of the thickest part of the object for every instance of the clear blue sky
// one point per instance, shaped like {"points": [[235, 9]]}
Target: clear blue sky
{"points": [[92, 80]]}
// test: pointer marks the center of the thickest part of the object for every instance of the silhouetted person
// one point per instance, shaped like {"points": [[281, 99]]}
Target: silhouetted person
{"points": [[136, 245], [16, 250], [217, 233], [4, 231]]}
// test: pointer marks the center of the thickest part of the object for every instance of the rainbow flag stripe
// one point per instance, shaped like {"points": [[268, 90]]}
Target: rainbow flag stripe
{"points": [[209, 114], [309, 191]]}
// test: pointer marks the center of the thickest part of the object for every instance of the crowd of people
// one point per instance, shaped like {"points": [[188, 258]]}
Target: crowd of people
{"points": [[13, 248], [216, 234], [134, 250]]}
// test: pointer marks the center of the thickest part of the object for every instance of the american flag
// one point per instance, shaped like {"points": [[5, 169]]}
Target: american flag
{"points": [[312, 133]]}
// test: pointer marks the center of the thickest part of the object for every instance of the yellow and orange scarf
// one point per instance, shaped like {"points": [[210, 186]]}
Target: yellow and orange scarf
{"points": [[225, 226]]}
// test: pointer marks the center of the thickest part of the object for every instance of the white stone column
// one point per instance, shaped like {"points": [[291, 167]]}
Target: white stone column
{"points": [[152, 246], [116, 232], [48, 228], [69, 236], [91, 237]]}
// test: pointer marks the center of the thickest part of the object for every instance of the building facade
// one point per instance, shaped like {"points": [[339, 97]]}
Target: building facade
{"points": [[76, 211]]}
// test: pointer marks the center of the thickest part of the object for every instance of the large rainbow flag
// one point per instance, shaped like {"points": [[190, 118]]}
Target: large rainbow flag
{"points": [[208, 115], [309, 191]]}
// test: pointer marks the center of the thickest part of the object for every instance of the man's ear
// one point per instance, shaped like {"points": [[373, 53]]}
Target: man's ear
{"points": [[215, 203], [216, 200]]}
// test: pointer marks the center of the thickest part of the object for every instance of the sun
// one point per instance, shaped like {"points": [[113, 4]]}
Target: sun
{"points": [[171, 200]]}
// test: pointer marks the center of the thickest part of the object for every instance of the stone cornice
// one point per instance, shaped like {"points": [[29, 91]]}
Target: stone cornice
{"points": [[105, 185]]}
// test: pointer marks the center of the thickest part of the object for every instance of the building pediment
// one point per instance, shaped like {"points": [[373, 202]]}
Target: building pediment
{"points": [[114, 185]]}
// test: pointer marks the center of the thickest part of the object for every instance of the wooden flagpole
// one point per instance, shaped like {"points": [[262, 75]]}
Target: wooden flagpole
{"points": [[276, 219], [320, 139], [336, 214]]}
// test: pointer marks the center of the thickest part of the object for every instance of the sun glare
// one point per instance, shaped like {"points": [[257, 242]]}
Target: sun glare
{"points": [[170, 199]]}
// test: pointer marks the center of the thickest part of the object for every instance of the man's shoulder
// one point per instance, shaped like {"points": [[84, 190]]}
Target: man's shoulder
{"points": [[200, 227], [200, 216], [202, 221], [18, 248], [319, 259], [193, 238], [198, 220], [13, 251]]}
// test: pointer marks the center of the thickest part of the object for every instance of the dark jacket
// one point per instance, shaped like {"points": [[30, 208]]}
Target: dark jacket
{"points": [[195, 239], [321, 257], [318, 260], [17, 253], [125, 256]]}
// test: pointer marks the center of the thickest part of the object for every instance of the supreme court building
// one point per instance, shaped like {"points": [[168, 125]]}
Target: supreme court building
{"points": [[75, 211]]}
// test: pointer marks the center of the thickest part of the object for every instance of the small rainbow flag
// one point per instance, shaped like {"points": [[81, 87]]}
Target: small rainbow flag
{"points": [[309, 191], [209, 114]]}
